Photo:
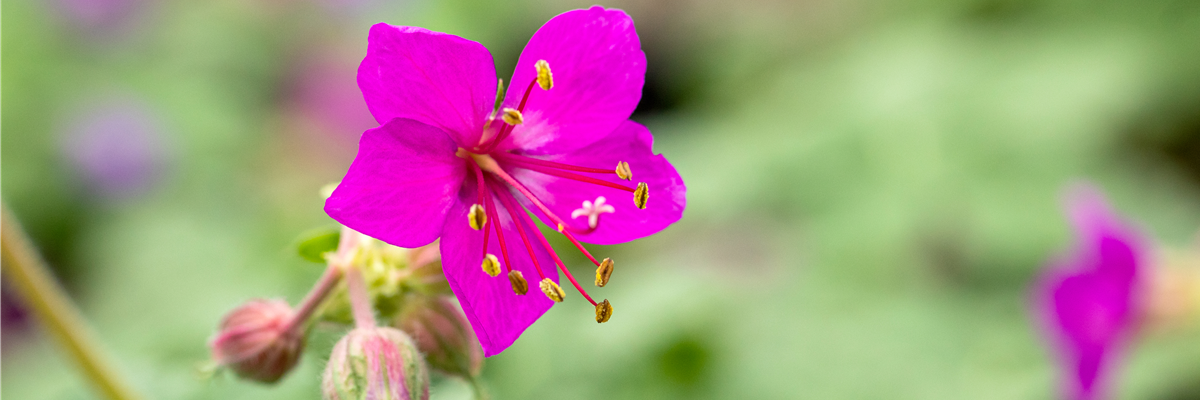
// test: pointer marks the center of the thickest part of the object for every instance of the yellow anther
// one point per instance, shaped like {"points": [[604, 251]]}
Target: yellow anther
{"points": [[491, 265], [518, 282], [552, 290], [512, 117], [623, 171], [640, 195], [603, 272], [544, 78], [603, 311], [561, 228], [476, 217]]}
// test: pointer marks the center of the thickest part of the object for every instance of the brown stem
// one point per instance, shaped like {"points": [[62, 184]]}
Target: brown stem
{"points": [[29, 274]]}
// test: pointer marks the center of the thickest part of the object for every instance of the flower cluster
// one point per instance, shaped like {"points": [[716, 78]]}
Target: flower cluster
{"points": [[439, 194]]}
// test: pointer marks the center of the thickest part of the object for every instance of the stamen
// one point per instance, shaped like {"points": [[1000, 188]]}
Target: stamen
{"points": [[641, 195], [491, 265], [491, 209], [546, 244], [544, 78], [552, 290], [519, 285], [482, 197], [565, 174], [537, 161], [476, 217], [603, 311], [603, 272], [623, 170], [512, 117], [488, 163], [512, 212]]}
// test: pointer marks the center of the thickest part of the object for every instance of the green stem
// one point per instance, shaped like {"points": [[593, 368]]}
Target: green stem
{"points": [[477, 388], [26, 270]]}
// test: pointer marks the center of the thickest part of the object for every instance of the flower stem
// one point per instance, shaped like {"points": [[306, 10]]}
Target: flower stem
{"points": [[28, 272], [360, 302], [315, 296]]}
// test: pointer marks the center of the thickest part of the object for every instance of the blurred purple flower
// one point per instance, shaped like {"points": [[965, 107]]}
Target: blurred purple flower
{"points": [[1088, 297], [117, 148], [325, 90], [444, 164], [99, 19]]}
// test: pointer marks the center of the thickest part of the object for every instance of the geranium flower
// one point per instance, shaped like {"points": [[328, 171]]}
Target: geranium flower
{"points": [[447, 163], [1088, 298]]}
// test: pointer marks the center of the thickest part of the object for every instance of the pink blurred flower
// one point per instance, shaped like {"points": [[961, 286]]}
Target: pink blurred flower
{"points": [[1089, 297], [443, 158]]}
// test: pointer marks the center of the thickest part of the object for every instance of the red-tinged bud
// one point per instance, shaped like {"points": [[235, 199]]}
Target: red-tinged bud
{"points": [[375, 363], [258, 341], [444, 335]]}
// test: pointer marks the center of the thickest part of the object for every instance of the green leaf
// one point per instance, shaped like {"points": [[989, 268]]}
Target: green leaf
{"points": [[313, 244]]}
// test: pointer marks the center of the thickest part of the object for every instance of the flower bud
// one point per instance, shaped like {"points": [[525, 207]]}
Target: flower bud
{"points": [[257, 341], [444, 335], [375, 363]]}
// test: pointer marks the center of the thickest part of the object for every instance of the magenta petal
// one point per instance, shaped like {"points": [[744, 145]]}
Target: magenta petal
{"points": [[1089, 297], [497, 314], [401, 184], [630, 142], [598, 68], [439, 79]]}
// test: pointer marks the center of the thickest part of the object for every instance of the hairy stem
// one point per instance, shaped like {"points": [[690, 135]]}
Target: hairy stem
{"points": [[26, 270], [360, 301], [315, 296]]}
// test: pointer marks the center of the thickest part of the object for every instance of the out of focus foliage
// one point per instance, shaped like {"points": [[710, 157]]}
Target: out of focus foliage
{"points": [[873, 186]]}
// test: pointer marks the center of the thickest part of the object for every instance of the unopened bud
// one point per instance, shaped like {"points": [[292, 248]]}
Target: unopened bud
{"points": [[512, 117], [552, 290], [375, 363], [476, 217], [519, 285], [257, 341], [640, 195], [443, 335], [545, 79], [603, 272], [603, 311], [623, 171]]}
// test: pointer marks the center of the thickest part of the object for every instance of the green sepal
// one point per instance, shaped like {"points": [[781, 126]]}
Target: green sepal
{"points": [[314, 243]]}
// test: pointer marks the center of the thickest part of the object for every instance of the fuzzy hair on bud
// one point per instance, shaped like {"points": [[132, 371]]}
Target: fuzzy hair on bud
{"points": [[375, 363], [443, 335], [257, 341]]}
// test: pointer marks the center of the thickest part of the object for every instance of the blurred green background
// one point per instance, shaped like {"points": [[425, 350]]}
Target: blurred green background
{"points": [[873, 186]]}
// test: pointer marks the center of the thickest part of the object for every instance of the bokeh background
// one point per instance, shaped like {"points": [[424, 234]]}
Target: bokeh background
{"points": [[873, 187]]}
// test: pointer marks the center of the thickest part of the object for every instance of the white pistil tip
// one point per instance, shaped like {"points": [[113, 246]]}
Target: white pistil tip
{"points": [[545, 79], [593, 211]]}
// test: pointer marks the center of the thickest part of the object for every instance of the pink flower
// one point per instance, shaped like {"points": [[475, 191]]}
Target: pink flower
{"points": [[447, 164], [1088, 298]]}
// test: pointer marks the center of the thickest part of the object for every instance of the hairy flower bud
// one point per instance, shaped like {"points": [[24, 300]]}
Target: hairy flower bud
{"points": [[258, 341], [375, 363], [444, 335]]}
